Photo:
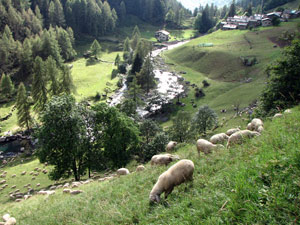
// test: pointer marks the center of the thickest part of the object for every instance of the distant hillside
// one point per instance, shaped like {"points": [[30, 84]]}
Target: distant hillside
{"points": [[192, 4]]}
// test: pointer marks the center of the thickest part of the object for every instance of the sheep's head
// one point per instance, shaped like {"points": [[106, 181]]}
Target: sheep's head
{"points": [[154, 198]]}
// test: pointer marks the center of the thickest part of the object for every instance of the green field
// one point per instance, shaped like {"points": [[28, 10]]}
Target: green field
{"points": [[222, 67], [253, 183]]}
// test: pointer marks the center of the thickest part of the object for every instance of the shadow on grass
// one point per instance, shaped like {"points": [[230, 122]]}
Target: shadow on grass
{"points": [[91, 62]]}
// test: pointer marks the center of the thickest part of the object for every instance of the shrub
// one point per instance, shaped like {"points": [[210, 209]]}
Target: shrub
{"points": [[205, 83], [114, 74], [98, 96]]}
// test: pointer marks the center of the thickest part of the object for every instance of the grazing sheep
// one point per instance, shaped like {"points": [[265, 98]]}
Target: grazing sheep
{"points": [[174, 176], [52, 188], [206, 146], [46, 192], [59, 186], [66, 190], [36, 169], [6, 217], [170, 146], [277, 115], [255, 124], [11, 221], [66, 185], [232, 131], [123, 171], [33, 178], [38, 184], [13, 176], [3, 182], [287, 111], [23, 173], [27, 197], [18, 200], [240, 135], [31, 173], [140, 168], [260, 129], [163, 159], [75, 192], [13, 187], [218, 138]]}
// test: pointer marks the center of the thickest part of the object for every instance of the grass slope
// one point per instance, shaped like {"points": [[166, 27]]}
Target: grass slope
{"points": [[254, 183], [222, 67]]}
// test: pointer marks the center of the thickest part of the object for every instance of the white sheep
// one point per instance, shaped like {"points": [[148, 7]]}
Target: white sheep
{"points": [[46, 192], [6, 217], [38, 184], [13, 176], [240, 135], [287, 111], [23, 173], [66, 191], [27, 197], [75, 192], [170, 146], [255, 124], [123, 171], [11, 221], [175, 175], [232, 131], [13, 187], [3, 182], [277, 115], [218, 138], [140, 168], [206, 146], [66, 185], [260, 129], [163, 159]]}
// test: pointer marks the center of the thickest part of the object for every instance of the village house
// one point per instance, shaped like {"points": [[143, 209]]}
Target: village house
{"points": [[274, 14], [266, 22], [162, 35], [229, 27]]}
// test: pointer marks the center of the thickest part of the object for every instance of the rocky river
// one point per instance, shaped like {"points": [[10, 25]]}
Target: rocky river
{"points": [[169, 85]]}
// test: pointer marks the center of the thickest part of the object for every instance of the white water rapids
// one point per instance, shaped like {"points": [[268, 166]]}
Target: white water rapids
{"points": [[168, 86]]}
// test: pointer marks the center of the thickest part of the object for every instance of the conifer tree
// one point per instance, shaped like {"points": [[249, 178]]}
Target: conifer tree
{"points": [[39, 89], [117, 60], [66, 86], [6, 86], [126, 47], [146, 76], [95, 48], [26, 59], [122, 10], [50, 46], [23, 107], [135, 40], [134, 90], [52, 73], [136, 31]]}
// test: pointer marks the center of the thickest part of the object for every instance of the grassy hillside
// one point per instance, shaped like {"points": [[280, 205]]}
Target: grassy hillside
{"points": [[254, 183], [222, 66]]}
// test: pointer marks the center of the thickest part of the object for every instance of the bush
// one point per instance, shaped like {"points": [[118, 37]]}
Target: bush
{"points": [[122, 68], [205, 83], [98, 96], [114, 74], [157, 145], [199, 93]]}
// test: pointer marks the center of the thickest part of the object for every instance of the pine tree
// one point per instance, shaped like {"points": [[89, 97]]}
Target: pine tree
{"points": [[126, 49], [23, 107], [65, 44], [136, 31], [39, 90], [117, 60], [50, 46], [6, 86], [52, 73], [135, 41], [95, 48], [134, 90], [122, 10], [137, 63], [145, 78], [232, 10], [26, 59], [67, 86]]}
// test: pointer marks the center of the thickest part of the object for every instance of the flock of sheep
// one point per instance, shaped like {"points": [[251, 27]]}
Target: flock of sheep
{"points": [[177, 174]]}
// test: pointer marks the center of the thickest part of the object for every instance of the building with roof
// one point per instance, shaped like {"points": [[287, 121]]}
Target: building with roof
{"points": [[162, 35]]}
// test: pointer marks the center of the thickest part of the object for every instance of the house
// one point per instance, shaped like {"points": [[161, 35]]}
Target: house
{"points": [[229, 27], [274, 14], [162, 35], [266, 22], [242, 26]]}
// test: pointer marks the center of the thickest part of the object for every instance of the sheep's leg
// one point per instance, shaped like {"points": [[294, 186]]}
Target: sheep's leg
{"points": [[168, 192]]}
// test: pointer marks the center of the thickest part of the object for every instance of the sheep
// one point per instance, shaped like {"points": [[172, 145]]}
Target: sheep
{"points": [[260, 129], [206, 146], [277, 115], [164, 159], [140, 168], [27, 197], [287, 111], [232, 131], [66, 185], [18, 200], [52, 188], [31, 173], [3, 182], [33, 178], [75, 192], [174, 176], [218, 138], [23, 173], [36, 169], [238, 136], [6, 217], [13, 187], [46, 192], [123, 171], [255, 124], [38, 184], [66, 190], [13, 176], [11, 221], [170, 146]]}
